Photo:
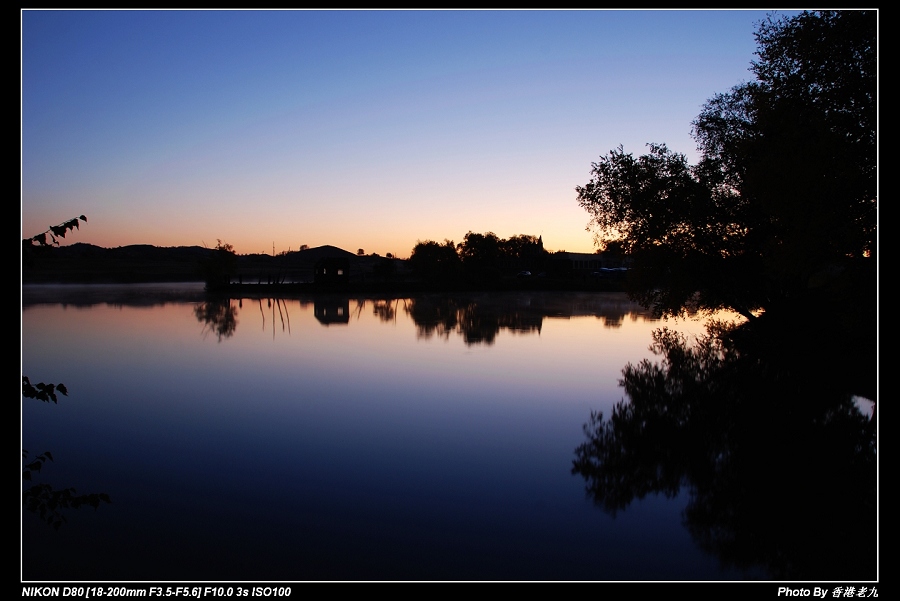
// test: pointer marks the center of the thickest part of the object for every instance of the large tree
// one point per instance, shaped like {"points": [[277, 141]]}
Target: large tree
{"points": [[783, 198], [435, 261]]}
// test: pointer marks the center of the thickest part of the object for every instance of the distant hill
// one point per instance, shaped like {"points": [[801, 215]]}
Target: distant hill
{"points": [[87, 263], [307, 257]]}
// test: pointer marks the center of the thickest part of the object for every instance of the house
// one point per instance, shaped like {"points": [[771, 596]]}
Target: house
{"points": [[332, 271]]}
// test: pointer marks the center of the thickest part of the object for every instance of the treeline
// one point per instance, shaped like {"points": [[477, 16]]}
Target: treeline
{"points": [[482, 258], [780, 213]]}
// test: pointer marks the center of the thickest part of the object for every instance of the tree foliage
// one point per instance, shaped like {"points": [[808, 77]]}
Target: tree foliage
{"points": [[526, 247], [478, 259], [218, 268], [54, 232], [41, 391], [33, 246], [480, 250], [784, 194], [435, 261]]}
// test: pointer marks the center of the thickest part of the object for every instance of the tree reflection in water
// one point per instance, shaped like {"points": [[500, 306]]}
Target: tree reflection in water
{"points": [[219, 316], [478, 319], [778, 460], [384, 309], [478, 322]]}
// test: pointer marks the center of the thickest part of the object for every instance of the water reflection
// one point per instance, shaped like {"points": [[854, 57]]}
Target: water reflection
{"points": [[384, 309], [41, 498], [456, 417], [330, 311], [117, 295], [284, 317], [477, 319], [477, 322], [218, 316], [779, 461]]}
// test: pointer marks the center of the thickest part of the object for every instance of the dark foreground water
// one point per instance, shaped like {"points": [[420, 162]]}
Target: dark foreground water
{"points": [[339, 438]]}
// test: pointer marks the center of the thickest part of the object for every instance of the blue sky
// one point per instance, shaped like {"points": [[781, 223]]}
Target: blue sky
{"points": [[361, 129]]}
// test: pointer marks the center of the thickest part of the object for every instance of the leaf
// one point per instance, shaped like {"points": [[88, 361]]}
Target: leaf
{"points": [[83, 218]]}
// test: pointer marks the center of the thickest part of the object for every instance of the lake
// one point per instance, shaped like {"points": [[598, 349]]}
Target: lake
{"points": [[342, 438]]}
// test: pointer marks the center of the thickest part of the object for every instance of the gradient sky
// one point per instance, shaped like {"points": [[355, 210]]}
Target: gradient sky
{"points": [[360, 129]]}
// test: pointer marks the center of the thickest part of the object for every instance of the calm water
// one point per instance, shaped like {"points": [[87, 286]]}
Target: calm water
{"points": [[337, 438]]}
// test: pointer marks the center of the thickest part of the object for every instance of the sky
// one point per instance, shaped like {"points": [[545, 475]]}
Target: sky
{"points": [[273, 129]]}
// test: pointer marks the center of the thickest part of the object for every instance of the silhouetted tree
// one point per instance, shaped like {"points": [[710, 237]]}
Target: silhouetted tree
{"points": [[784, 196], [433, 261], [521, 246], [218, 268], [480, 250], [528, 251], [480, 255]]}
